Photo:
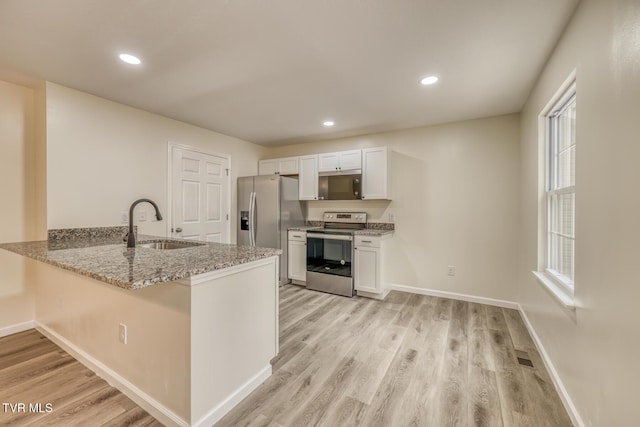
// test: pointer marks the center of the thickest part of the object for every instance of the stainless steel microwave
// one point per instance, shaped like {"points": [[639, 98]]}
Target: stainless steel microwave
{"points": [[340, 187]]}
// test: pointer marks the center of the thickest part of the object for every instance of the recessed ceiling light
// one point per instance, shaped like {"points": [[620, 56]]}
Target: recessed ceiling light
{"points": [[429, 80], [328, 123], [130, 59]]}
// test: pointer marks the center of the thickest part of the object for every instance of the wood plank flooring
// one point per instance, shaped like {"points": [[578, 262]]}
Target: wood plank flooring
{"points": [[33, 370], [410, 360]]}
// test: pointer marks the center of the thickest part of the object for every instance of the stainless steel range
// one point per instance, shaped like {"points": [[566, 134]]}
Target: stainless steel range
{"points": [[330, 252]]}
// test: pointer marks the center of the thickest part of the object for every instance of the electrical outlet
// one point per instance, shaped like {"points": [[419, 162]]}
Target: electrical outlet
{"points": [[451, 270], [122, 333], [391, 216], [142, 215], [124, 217]]}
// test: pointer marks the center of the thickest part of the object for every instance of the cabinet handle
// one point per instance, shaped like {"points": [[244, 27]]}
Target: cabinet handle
{"points": [[366, 241], [296, 235]]}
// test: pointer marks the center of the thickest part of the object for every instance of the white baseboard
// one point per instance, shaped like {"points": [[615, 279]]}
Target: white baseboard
{"points": [[576, 419], [18, 327], [234, 398], [453, 295], [148, 403]]}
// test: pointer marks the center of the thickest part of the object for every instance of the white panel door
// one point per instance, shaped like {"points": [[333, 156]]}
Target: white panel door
{"points": [[200, 196]]}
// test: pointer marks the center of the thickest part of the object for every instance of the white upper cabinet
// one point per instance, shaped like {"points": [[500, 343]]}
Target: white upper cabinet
{"points": [[284, 166], [328, 162], [342, 160], [351, 159], [375, 174], [308, 177], [267, 167]]}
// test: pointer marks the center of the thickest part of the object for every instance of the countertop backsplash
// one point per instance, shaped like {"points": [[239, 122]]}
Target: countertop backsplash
{"points": [[90, 232]]}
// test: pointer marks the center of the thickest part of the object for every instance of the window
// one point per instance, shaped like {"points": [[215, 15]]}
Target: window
{"points": [[560, 189]]}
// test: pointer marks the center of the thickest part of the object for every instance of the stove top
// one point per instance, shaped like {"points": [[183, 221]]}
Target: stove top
{"points": [[344, 221]]}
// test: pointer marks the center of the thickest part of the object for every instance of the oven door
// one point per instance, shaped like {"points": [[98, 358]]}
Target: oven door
{"points": [[329, 263]]}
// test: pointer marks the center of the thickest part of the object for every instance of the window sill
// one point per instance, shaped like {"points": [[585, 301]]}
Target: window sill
{"points": [[561, 296]]}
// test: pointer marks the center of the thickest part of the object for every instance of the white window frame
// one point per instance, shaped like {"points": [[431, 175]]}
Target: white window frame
{"points": [[561, 286]]}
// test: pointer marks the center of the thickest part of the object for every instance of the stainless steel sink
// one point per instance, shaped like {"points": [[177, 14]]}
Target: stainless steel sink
{"points": [[168, 244]]}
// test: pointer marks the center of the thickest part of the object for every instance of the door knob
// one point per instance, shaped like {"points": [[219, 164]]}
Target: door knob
{"points": [[178, 230]]}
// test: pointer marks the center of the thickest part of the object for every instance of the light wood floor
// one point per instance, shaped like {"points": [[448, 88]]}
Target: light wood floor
{"points": [[34, 370], [410, 360]]}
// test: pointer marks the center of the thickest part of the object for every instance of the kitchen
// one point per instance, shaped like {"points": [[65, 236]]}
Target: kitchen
{"points": [[464, 194]]}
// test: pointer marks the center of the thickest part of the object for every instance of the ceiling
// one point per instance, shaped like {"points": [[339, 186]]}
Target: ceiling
{"points": [[271, 72]]}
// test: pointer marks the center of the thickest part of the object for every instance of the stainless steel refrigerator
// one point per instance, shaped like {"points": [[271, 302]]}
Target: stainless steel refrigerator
{"points": [[268, 206]]}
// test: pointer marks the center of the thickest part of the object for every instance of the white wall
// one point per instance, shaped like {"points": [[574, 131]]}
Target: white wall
{"points": [[455, 202], [596, 349], [18, 216], [103, 155]]}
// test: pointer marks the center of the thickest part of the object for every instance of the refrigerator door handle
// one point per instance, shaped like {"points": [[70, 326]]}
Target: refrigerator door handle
{"points": [[250, 219], [254, 221]]}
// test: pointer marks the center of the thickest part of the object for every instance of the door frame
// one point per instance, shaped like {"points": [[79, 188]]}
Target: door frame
{"points": [[170, 146]]}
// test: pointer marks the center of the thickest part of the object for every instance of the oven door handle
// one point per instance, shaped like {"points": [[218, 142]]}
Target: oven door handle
{"points": [[328, 236]]}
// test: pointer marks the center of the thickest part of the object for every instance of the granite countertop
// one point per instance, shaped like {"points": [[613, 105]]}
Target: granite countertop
{"points": [[373, 232], [305, 228], [106, 258]]}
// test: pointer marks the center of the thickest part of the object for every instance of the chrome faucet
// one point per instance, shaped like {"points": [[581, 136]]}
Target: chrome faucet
{"points": [[131, 237]]}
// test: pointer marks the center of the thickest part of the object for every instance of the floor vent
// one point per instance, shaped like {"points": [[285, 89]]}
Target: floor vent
{"points": [[525, 362], [523, 358]]}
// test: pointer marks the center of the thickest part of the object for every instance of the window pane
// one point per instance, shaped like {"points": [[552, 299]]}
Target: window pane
{"points": [[566, 204], [567, 127], [565, 258], [566, 168], [553, 214], [553, 252]]}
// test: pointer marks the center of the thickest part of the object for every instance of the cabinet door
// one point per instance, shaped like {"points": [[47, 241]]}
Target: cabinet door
{"points": [[267, 167], [374, 173], [297, 261], [288, 166], [328, 162], [351, 159], [367, 269], [308, 178]]}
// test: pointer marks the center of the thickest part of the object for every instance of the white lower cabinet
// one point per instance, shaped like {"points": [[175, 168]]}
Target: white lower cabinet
{"points": [[368, 274], [297, 256]]}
